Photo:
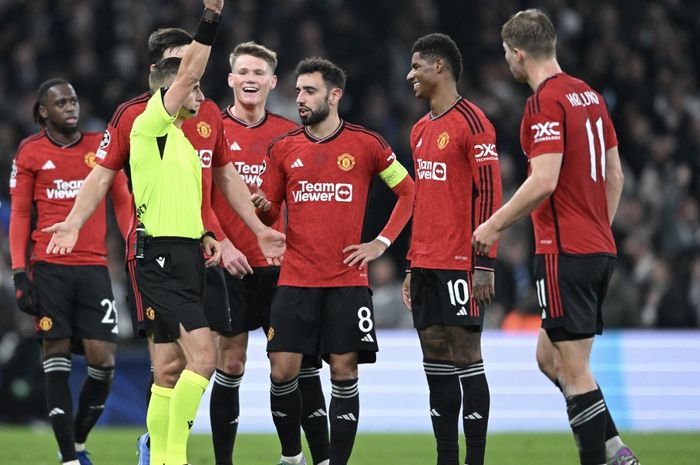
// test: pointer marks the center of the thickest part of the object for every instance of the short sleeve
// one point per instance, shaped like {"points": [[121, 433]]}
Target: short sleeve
{"points": [[543, 129], [155, 119]]}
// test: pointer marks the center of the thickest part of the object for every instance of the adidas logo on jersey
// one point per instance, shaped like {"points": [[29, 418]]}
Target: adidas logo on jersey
{"points": [[462, 312], [235, 146], [347, 416], [48, 166], [473, 416], [297, 163], [318, 413], [420, 142], [367, 338]]}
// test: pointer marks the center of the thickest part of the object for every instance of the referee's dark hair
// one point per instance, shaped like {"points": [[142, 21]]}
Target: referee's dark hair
{"points": [[439, 45], [41, 97], [165, 38], [163, 73], [332, 74]]}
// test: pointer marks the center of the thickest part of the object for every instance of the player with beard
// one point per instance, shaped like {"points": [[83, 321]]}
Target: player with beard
{"points": [[70, 296], [322, 172], [251, 284]]}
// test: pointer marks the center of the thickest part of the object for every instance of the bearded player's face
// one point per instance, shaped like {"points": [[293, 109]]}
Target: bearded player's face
{"points": [[313, 98]]}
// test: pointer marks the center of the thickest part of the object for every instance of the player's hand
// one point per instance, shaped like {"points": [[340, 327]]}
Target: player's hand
{"points": [[483, 287], [216, 5], [65, 235], [272, 244], [361, 254], [260, 201], [406, 292], [484, 237], [24, 293], [212, 250], [233, 260]]}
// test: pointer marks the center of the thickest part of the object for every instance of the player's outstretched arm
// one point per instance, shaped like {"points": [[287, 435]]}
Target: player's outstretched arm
{"points": [[542, 181], [92, 192]]}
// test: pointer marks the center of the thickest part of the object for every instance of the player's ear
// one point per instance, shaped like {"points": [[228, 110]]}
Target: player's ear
{"points": [[273, 81], [335, 95], [439, 65], [230, 80]]}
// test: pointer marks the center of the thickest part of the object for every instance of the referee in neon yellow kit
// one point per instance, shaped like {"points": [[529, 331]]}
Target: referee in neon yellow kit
{"points": [[166, 180]]}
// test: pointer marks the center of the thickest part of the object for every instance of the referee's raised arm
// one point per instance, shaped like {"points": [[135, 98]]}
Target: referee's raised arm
{"points": [[194, 61]]}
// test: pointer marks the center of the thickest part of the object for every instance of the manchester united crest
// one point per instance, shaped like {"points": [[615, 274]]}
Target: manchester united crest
{"points": [[346, 162], [45, 323], [90, 159], [203, 129], [150, 313], [270, 333], [442, 140]]}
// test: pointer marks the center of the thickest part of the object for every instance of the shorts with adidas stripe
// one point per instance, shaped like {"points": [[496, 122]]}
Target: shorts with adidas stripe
{"points": [[323, 320], [443, 297], [570, 293]]}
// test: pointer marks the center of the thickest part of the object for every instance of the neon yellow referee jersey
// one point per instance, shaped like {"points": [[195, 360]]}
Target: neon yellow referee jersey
{"points": [[166, 174]]}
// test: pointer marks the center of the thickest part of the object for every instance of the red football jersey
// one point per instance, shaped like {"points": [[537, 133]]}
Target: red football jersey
{"points": [[49, 175], [205, 133], [324, 183], [458, 187], [248, 144], [566, 116]]}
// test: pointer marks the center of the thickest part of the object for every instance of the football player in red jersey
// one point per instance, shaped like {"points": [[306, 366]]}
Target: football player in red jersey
{"points": [[205, 132], [322, 172], [572, 190], [70, 296], [251, 282], [447, 285]]}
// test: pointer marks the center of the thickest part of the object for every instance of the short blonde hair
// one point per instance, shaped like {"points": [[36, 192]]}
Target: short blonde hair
{"points": [[256, 50], [531, 31]]}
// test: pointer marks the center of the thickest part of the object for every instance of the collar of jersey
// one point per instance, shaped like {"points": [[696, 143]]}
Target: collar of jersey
{"points": [[63, 146], [246, 124], [457, 100], [328, 138]]}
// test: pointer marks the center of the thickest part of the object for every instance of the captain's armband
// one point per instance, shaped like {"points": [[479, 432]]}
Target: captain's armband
{"points": [[394, 174]]}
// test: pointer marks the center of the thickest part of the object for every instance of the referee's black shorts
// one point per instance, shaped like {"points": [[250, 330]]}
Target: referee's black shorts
{"points": [[171, 279]]}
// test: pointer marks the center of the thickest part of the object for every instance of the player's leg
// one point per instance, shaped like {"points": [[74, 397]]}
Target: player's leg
{"points": [[53, 284], [224, 406], [314, 417], [445, 396], [100, 357], [285, 403], [465, 342], [96, 325], [200, 354], [167, 361], [344, 409], [57, 367]]}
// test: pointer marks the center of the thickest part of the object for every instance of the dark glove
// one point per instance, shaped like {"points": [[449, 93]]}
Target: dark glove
{"points": [[24, 293]]}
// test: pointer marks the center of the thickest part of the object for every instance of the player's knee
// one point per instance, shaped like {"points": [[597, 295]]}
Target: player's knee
{"points": [[343, 370], [233, 365]]}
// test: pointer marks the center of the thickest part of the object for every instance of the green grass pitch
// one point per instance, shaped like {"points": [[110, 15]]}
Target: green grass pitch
{"points": [[115, 446]]}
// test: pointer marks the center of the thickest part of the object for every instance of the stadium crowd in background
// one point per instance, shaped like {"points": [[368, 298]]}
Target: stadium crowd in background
{"points": [[645, 61]]}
